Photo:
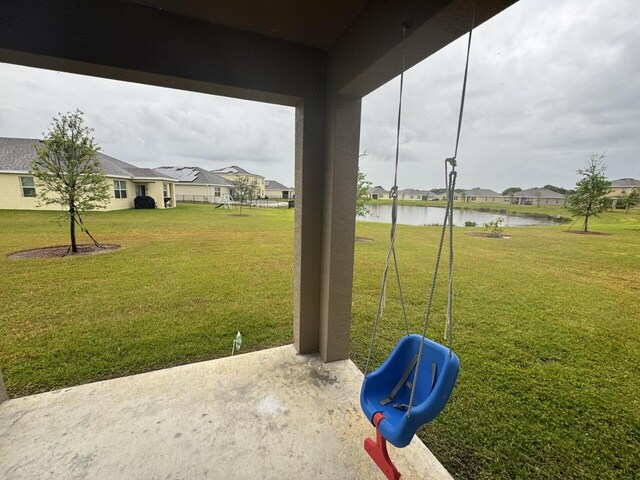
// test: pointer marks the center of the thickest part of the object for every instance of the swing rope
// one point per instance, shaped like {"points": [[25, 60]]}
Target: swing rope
{"points": [[394, 220], [450, 179]]}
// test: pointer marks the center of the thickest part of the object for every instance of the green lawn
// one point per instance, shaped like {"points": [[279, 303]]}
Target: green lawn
{"points": [[547, 322]]}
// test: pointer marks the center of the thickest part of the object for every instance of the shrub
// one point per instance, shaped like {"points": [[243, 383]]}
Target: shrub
{"points": [[470, 224], [494, 227]]}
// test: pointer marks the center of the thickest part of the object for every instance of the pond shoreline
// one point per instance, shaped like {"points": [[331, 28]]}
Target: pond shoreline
{"points": [[431, 215], [485, 208]]}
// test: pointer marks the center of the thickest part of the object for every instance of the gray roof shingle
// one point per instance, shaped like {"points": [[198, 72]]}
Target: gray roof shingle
{"points": [[273, 185], [413, 191], [16, 155], [481, 192], [234, 170], [625, 182], [538, 192], [194, 176]]}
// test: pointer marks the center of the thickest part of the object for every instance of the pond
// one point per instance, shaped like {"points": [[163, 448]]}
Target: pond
{"points": [[421, 215]]}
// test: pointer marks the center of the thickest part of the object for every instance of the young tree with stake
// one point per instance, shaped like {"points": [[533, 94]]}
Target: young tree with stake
{"points": [[590, 197], [67, 170]]}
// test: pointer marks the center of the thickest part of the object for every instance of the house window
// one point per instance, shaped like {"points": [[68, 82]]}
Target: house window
{"points": [[165, 190], [28, 186], [141, 191], [120, 188], [216, 191]]}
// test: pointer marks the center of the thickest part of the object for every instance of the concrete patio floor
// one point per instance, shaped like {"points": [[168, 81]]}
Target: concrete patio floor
{"points": [[262, 415]]}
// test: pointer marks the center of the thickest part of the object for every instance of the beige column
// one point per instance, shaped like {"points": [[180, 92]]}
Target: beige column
{"points": [[309, 162], [3, 390], [339, 217]]}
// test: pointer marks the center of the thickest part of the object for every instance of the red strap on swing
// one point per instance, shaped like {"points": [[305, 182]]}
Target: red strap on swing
{"points": [[377, 450]]}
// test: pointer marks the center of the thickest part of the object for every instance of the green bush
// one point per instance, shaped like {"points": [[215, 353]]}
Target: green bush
{"points": [[494, 227]]}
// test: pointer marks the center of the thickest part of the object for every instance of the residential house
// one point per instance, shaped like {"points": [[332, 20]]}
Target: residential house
{"points": [[234, 172], [416, 195], [275, 189], [482, 195], [377, 193], [195, 184], [623, 186], [538, 197], [19, 189]]}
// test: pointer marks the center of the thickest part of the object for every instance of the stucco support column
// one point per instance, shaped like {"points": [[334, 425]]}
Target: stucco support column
{"points": [[339, 217], [3, 390], [309, 164]]}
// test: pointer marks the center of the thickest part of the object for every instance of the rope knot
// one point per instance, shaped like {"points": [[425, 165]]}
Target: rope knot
{"points": [[394, 192], [452, 161]]}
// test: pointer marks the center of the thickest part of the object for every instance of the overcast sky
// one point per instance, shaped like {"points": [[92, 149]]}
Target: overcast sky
{"points": [[549, 83]]}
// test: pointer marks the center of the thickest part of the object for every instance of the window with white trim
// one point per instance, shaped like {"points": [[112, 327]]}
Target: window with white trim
{"points": [[120, 188], [28, 186], [165, 190], [216, 191]]}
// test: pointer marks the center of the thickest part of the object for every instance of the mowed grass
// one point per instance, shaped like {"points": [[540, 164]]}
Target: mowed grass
{"points": [[183, 283], [547, 322], [548, 334]]}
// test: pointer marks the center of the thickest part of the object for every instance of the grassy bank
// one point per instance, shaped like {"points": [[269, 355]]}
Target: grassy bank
{"points": [[546, 322]]}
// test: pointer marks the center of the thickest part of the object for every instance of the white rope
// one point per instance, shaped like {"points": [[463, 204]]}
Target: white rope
{"points": [[394, 220], [450, 179]]}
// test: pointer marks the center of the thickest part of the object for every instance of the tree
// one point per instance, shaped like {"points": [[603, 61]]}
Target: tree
{"points": [[628, 201], [68, 171], [494, 227], [243, 190], [362, 195], [590, 193], [511, 190]]}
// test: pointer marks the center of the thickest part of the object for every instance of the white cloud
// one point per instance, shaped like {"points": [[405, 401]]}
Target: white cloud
{"points": [[549, 83]]}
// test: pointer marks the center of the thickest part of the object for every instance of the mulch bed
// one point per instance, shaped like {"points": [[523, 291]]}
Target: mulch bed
{"points": [[487, 235], [63, 251]]}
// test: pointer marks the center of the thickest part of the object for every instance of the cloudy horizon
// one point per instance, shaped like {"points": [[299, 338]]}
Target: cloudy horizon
{"points": [[549, 84]]}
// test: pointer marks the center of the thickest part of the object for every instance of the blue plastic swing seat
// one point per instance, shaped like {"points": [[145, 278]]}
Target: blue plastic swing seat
{"points": [[436, 379]]}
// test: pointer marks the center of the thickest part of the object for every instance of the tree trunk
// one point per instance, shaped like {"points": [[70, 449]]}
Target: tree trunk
{"points": [[586, 221], [72, 229]]}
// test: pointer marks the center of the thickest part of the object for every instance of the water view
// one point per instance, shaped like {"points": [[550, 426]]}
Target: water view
{"points": [[421, 215]]}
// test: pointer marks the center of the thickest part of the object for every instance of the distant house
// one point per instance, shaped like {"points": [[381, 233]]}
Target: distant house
{"points": [[416, 195], [377, 193], [482, 195], [275, 189], [234, 172], [538, 197], [18, 189], [623, 186], [195, 184]]}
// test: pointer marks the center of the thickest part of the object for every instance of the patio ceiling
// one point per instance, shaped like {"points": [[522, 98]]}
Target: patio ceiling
{"points": [[315, 24]]}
